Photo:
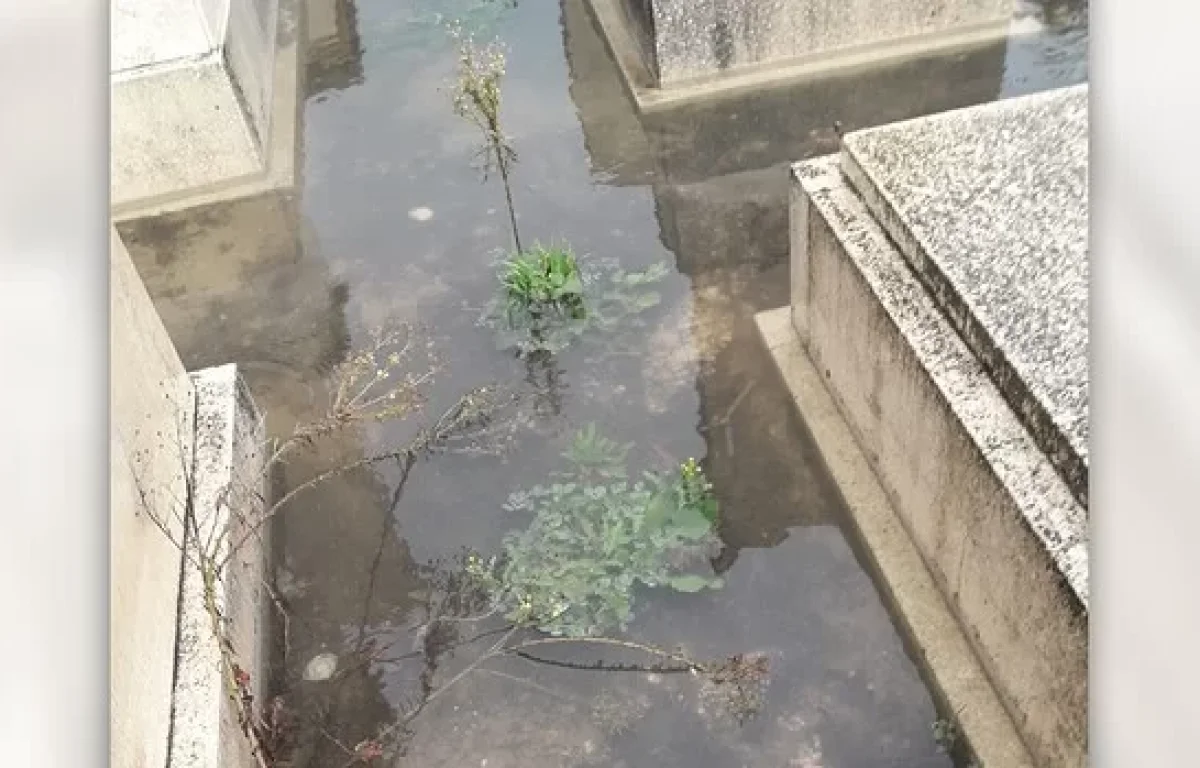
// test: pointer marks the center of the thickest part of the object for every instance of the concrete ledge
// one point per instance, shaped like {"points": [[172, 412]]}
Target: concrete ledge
{"points": [[177, 130], [641, 84], [1014, 283], [151, 402], [956, 675], [227, 498], [999, 530], [216, 126]]}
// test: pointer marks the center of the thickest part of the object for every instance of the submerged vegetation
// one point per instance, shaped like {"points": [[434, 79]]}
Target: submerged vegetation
{"points": [[543, 281], [607, 303], [550, 297], [585, 546], [595, 537]]}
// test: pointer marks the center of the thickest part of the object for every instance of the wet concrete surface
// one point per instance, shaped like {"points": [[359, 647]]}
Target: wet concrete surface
{"points": [[286, 284]]}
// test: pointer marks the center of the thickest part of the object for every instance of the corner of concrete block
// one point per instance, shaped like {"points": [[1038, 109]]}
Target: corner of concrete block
{"points": [[774, 326], [224, 567]]}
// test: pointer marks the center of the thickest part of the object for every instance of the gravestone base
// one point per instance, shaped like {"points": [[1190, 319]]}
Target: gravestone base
{"points": [[939, 293], [204, 99], [670, 52]]}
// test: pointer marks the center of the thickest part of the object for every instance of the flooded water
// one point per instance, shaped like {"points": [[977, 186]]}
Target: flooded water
{"points": [[391, 223]]}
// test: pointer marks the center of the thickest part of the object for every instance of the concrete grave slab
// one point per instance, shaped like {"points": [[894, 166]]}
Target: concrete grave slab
{"points": [[997, 526], [227, 491], [672, 52], [990, 207], [204, 101]]}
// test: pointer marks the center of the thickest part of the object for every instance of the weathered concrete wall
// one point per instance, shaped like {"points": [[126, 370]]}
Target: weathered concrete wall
{"points": [[227, 488], [176, 131], [192, 95], [950, 665], [994, 522], [1014, 283], [640, 15], [695, 39], [762, 127], [152, 402], [249, 48], [177, 443]]}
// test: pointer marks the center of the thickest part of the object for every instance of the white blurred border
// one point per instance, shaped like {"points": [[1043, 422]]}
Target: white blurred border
{"points": [[53, 383], [54, 380], [1145, 227]]}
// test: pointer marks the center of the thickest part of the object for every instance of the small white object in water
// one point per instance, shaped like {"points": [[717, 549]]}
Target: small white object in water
{"points": [[321, 667], [421, 214]]}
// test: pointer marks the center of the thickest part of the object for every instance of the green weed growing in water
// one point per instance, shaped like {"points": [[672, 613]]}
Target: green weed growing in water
{"points": [[945, 734], [595, 537], [592, 455], [543, 280], [612, 308]]}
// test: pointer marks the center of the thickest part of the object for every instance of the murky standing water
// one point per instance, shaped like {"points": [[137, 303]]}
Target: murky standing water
{"points": [[391, 223]]}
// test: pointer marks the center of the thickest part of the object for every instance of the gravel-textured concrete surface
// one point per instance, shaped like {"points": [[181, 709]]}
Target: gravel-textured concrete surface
{"points": [[1037, 490], [990, 206]]}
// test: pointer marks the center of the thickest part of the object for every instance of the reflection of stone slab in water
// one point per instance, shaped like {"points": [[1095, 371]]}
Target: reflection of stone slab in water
{"points": [[241, 281], [726, 45], [616, 145], [334, 58], [792, 121], [499, 722], [725, 222], [840, 682], [763, 127]]}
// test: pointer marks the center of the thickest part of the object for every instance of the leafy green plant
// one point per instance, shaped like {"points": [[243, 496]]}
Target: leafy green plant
{"points": [[592, 542], [614, 302], [695, 491], [945, 733], [543, 280], [594, 455]]}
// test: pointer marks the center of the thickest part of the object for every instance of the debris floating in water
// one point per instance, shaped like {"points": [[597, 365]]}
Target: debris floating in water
{"points": [[321, 667], [421, 214]]}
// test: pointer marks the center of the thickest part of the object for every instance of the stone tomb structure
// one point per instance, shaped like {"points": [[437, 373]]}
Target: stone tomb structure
{"points": [[672, 50], [939, 273]]}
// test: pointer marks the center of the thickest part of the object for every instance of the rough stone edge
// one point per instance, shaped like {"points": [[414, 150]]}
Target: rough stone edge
{"points": [[610, 21], [612, 24], [153, 117], [228, 436], [1063, 454], [957, 676], [1049, 508], [280, 158]]}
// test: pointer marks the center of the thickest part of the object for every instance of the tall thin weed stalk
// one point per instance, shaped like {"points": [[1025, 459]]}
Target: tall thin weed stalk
{"points": [[477, 98]]}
